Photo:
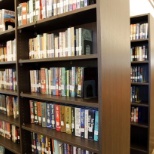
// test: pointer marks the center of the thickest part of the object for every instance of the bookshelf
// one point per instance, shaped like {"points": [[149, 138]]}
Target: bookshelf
{"points": [[110, 56], [142, 129]]}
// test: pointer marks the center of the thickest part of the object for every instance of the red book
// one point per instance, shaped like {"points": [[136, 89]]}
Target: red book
{"points": [[57, 117]]}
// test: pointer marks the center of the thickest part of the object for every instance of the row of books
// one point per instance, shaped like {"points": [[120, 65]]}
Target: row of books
{"points": [[9, 131], [139, 73], [34, 10], [7, 19], [139, 53], [45, 145], [61, 81], [139, 31], [139, 115], [8, 51], [8, 79], [71, 42], [9, 105], [135, 94], [74, 120]]}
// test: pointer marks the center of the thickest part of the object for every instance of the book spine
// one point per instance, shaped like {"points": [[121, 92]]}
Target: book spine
{"points": [[96, 126], [62, 118], [52, 108], [57, 117], [44, 115], [91, 124], [68, 119], [39, 111], [82, 120], [73, 120], [86, 123], [77, 122], [48, 115]]}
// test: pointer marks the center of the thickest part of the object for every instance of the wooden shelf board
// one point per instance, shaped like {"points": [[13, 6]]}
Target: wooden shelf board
{"points": [[140, 104], [140, 62], [8, 144], [63, 137], [65, 100], [70, 58], [8, 62], [140, 125], [9, 119], [138, 148], [139, 40], [140, 83], [8, 92]]}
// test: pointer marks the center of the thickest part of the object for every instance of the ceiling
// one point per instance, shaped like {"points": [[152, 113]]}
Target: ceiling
{"points": [[141, 7]]}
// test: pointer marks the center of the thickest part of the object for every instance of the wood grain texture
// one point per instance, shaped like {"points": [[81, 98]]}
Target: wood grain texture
{"points": [[114, 76], [151, 88]]}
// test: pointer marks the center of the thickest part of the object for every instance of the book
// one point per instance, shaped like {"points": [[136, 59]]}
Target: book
{"points": [[91, 124], [96, 126], [62, 118], [48, 116], [2, 150], [7, 19], [85, 41], [44, 115], [68, 119], [9, 105], [57, 117]]}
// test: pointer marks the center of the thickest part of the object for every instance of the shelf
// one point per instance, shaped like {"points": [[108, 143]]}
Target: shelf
{"points": [[140, 62], [65, 100], [139, 40], [139, 149], [8, 92], [8, 144], [78, 16], [63, 137], [140, 125], [7, 35], [9, 119], [139, 83], [140, 104], [8, 63], [70, 58]]}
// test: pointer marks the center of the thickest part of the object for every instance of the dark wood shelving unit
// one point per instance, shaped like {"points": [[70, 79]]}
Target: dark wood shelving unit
{"points": [[10, 119], [142, 133], [63, 137], [113, 100]]}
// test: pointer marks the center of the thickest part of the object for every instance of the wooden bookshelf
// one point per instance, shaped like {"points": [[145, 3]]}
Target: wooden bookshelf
{"points": [[144, 132], [110, 56]]}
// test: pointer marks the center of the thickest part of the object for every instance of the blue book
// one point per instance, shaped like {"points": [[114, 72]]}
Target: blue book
{"points": [[48, 116], [52, 109], [96, 126], [82, 121]]}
